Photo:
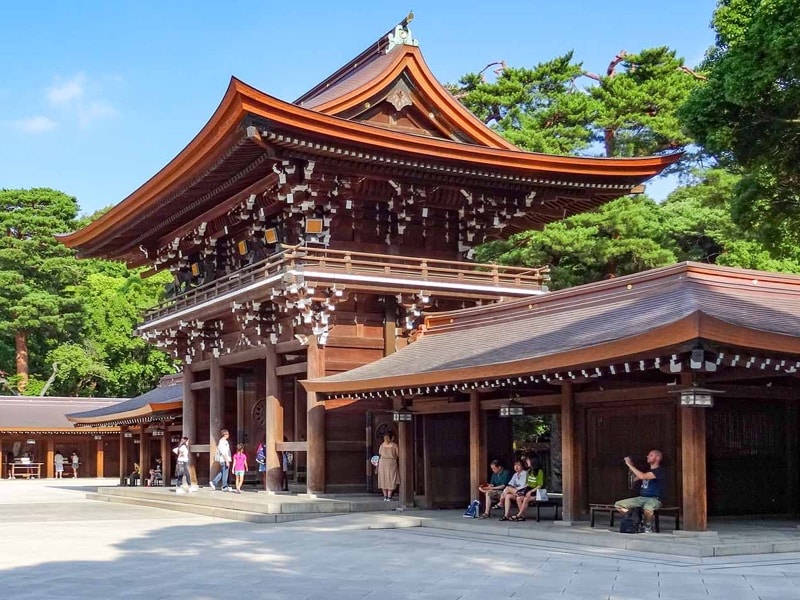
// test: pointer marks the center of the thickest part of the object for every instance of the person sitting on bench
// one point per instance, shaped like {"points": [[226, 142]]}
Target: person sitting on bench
{"points": [[524, 496], [135, 476], [510, 492], [492, 490], [650, 492], [155, 473]]}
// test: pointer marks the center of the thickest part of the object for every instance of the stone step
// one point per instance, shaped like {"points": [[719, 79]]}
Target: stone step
{"points": [[205, 509]]}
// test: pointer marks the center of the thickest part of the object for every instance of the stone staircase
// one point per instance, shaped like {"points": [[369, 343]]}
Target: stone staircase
{"points": [[254, 507]]}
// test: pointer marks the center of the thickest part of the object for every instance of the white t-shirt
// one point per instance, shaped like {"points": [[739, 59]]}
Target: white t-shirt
{"points": [[518, 479], [224, 450], [183, 453], [59, 460]]}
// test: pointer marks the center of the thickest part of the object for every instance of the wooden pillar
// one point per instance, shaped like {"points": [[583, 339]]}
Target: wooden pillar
{"points": [[792, 481], [99, 458], [693, 468], [123, 456], [477, 473], [389, 325], [405, 440], [166, 458], [315, 416], [144, 452], [242, 386], [215, 413], [188, 421], [274, 422], [571, 457], [50, 458]]}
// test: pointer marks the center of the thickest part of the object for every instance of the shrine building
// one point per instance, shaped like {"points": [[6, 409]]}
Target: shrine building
{"points": [[310, 238]]}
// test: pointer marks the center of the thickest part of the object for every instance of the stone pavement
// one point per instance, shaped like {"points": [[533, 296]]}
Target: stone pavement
{"points": [[57, 544]]}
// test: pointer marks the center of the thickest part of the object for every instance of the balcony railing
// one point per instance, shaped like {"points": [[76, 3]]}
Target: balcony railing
{"points": [[351, 267]]}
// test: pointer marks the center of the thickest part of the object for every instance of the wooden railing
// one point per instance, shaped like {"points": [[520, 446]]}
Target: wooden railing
{"points": [[355, 264]]}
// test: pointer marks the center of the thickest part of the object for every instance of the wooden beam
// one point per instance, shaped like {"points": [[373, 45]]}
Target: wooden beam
{"points": [[200, 385], [293, 369], [234, 358], [200, 365], [292, 446], [290, 347]]}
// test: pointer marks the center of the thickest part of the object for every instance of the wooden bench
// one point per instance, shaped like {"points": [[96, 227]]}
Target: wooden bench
{"points": [[556, 501], [666, 511]]}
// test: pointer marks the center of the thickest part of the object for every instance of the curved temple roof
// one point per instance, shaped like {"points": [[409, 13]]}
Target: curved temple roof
{"points": [[142, 407], [227, 153], [593, 324]]}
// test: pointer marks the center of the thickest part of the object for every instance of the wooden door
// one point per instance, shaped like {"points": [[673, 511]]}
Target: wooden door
{"points": [[447, 460], [748, 458], [616, 432]]}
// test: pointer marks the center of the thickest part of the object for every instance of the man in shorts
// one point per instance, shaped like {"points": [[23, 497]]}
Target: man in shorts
{"points": [[650, 492], [498, 482]]}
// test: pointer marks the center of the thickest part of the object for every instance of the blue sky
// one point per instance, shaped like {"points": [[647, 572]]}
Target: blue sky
{"points": [[97, 96]]}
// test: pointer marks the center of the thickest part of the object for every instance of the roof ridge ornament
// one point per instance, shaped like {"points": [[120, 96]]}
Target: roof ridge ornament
{"points": [[401, 36]]}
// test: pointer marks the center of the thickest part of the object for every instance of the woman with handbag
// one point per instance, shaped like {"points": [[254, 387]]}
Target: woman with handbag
{"points": [[533, 483]]}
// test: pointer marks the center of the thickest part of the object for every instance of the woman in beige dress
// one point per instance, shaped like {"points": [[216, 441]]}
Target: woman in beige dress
{"points": [[388, 469]]}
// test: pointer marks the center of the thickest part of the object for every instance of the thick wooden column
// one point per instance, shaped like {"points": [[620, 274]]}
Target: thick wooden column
{"points": [[99, 458], [405, 440], [144, 452], [123, 457], [477, 470], [49, 468], [215, 413], [693, 468], [315, 416], [274, 422], [571, 457], [188, 420], [792, 480], [166, 458], [389, 325]]}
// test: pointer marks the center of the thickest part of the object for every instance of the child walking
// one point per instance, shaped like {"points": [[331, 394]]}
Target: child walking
{"points": [[239, 466]]}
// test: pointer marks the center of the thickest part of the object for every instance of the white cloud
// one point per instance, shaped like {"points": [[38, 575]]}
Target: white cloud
{"points": [[79, 99], [95, 111], [37, 124], [64, 92]]}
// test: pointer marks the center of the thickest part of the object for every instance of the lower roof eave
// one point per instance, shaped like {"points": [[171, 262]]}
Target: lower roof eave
{"points": [[658, 341]]}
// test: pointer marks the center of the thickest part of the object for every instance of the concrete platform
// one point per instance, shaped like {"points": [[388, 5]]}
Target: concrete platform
{"points": [[252, 506], [727, 537]]}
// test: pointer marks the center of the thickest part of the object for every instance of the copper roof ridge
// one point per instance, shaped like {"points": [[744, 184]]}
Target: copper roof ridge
{"points": [[375, 49]]}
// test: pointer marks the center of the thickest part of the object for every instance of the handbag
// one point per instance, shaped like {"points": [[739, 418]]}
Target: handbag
{"points": [[541, 495]]}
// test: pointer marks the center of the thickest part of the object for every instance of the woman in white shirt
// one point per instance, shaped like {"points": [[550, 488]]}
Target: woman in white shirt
{"points": [[509, 494]]}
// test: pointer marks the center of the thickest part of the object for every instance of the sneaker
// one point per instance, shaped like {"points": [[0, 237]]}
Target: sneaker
{"points": [[648, 528], [180, 491], [212, 486], [226, 489], [194, 488], [238, 491]]}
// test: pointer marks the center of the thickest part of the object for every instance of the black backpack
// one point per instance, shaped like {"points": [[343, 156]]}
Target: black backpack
{"points": [[628, 524]]}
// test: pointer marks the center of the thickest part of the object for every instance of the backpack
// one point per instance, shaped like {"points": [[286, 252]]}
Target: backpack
{"points": [[628, 524], [472, 510], [261, 455]]}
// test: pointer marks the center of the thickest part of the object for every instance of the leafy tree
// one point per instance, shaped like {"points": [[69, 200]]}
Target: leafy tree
{"points": [[747, 113], [629, 111], [538, 109], [622, 237], [34, 272]]}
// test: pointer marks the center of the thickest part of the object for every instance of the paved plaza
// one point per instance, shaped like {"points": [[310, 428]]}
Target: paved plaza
{"points": [[57, 544]]}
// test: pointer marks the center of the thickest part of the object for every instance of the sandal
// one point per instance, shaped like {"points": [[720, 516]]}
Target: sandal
{"points": [[496, 505], [505, 518], [484, 516], [516, 518]]}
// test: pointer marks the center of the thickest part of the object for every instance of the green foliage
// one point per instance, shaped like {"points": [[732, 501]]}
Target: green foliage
{"points": [[78, 314], [631, 112], [622, 237], [539, 109], [638, 113], [747, 112]]}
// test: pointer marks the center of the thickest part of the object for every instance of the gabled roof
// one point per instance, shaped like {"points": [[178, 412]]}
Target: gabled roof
{"points": [[140, 408], [34, 413], [226, 157], [402, 71], [615, 320]]}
